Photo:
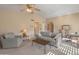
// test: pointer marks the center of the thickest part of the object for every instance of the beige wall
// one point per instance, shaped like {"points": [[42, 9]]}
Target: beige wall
{"points": [[72, 19], [13, 21]]}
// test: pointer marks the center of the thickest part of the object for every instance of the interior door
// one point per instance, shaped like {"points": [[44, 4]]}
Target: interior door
{"points": [[50, 26]]}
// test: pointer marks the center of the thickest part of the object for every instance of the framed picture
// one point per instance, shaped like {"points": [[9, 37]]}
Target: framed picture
{"points": [[66, 27]]}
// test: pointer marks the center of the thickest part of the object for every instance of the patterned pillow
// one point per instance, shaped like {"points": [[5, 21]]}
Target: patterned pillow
{"points": [[53, 35]]}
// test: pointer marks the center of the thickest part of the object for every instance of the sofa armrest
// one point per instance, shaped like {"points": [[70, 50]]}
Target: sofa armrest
{"points": [[11, 42]]}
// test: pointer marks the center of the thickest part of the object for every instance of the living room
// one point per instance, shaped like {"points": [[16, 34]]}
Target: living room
{"points": [[15, 20]]}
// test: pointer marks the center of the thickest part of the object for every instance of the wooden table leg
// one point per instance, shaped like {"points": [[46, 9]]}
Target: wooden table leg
{"points": [[45, 49], [32, 43]]}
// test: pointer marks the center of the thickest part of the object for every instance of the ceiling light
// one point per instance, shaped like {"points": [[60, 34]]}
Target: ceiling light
{"points": [[28, 10]]}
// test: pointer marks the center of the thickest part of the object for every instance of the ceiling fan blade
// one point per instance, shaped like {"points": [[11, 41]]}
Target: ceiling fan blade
{"points": [[29, 6], [37, 9]]}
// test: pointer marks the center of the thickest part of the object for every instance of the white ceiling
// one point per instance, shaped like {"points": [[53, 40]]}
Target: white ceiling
{"points": [[48, 10]]}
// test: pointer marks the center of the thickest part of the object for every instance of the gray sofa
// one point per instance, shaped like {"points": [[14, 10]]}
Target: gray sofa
{"points": [[47, 36], [11, 41]]}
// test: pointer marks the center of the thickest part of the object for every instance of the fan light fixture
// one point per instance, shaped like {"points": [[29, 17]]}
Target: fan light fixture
{"points": [[28, 10], [31, 8]]}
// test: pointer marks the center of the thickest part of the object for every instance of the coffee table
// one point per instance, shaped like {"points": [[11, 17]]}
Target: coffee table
{"points": [[41, 42]]}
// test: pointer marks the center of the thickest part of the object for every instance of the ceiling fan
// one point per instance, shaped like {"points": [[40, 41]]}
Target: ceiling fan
{"points": [[31, 8]]}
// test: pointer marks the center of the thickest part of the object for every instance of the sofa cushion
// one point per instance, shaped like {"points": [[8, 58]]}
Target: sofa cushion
{"points": [[48, 34], [45, 34], [9, 35]]}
